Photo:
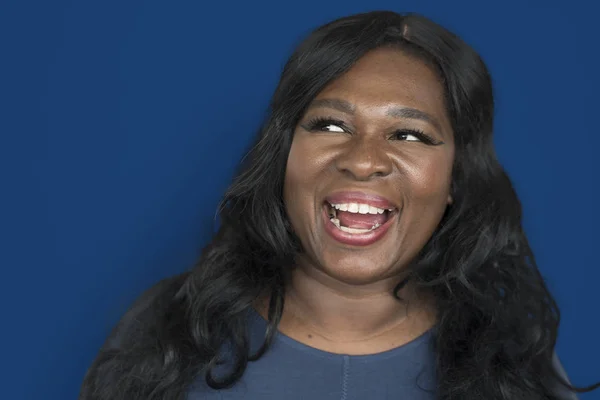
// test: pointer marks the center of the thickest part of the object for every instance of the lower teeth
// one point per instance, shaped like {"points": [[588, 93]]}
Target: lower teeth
{"points": [[336, 222]]}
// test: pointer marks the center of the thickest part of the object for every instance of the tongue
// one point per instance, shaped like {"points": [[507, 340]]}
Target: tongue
{"points": [[360, 221]]}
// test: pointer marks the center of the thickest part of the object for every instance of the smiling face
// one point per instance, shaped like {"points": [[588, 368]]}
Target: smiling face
{"points": [[376, 146]]}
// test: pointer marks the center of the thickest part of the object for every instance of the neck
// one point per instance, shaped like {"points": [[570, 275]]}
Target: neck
{"points": [[329, 314], [347, 313]]}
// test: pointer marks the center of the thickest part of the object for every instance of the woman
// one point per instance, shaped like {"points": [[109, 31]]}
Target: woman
{"points": [[371, 246]]}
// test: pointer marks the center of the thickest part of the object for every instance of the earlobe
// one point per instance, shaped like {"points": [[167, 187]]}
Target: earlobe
{"points": [[449, 201]]}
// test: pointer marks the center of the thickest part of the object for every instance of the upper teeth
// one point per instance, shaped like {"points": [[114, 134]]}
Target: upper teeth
{"points": [[359, 208]]}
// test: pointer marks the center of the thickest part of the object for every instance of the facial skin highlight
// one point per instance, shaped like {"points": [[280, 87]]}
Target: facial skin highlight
{"points": [[369, 147]]}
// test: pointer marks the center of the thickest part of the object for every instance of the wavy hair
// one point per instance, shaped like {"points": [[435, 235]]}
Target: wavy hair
{"points": [[497, 322]]}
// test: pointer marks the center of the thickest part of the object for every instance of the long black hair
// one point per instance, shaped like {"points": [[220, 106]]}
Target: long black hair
{"points": [[497, 322]]}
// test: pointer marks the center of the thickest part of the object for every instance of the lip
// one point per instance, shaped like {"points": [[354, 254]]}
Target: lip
{"points": [[360, 197], [364, 239], [352, 239]]}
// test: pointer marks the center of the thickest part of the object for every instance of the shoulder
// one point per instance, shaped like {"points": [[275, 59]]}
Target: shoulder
{"points": [[146, 308], [560, 390]]}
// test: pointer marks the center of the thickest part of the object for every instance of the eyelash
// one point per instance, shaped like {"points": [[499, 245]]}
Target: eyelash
{"points": [[319, 123]]}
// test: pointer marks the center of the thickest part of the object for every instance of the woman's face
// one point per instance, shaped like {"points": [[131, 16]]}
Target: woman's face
{"points": [[376, 146]]}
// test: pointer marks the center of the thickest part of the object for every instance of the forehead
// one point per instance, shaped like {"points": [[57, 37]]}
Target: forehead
{"points": [[385, 77]]}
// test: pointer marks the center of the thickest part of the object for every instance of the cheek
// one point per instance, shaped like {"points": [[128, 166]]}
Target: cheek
{"points": [[431, 179], [306, 162], [300, 179], [294, 178]]}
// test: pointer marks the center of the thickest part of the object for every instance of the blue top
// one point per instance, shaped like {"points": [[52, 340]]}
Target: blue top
{"points": [[292, 370]]}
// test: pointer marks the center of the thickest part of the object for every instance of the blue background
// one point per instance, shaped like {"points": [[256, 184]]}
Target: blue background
{"points": [[121, 124]]}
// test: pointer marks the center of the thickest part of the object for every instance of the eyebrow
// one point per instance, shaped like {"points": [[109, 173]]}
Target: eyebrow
{"points": [[396, 112]]}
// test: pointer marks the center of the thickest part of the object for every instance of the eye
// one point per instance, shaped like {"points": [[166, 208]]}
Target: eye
{"points": [[413, 135], [333, 128], [409, 137], [321, 124]]}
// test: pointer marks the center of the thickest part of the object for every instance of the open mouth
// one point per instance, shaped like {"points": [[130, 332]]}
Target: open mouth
{"points": [[358, 218]]}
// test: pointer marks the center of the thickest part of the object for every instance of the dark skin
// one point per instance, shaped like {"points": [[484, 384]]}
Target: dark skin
{"points": [[340, 297]]}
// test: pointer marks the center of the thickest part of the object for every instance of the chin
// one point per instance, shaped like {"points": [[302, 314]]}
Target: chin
{"points": [[356, 270]]}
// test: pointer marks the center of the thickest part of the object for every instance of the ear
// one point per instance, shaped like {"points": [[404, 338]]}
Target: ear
{"points": [[450, 200]]}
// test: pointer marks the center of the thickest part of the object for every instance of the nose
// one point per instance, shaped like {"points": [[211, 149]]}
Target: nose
{"points": [[364, 159]]}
